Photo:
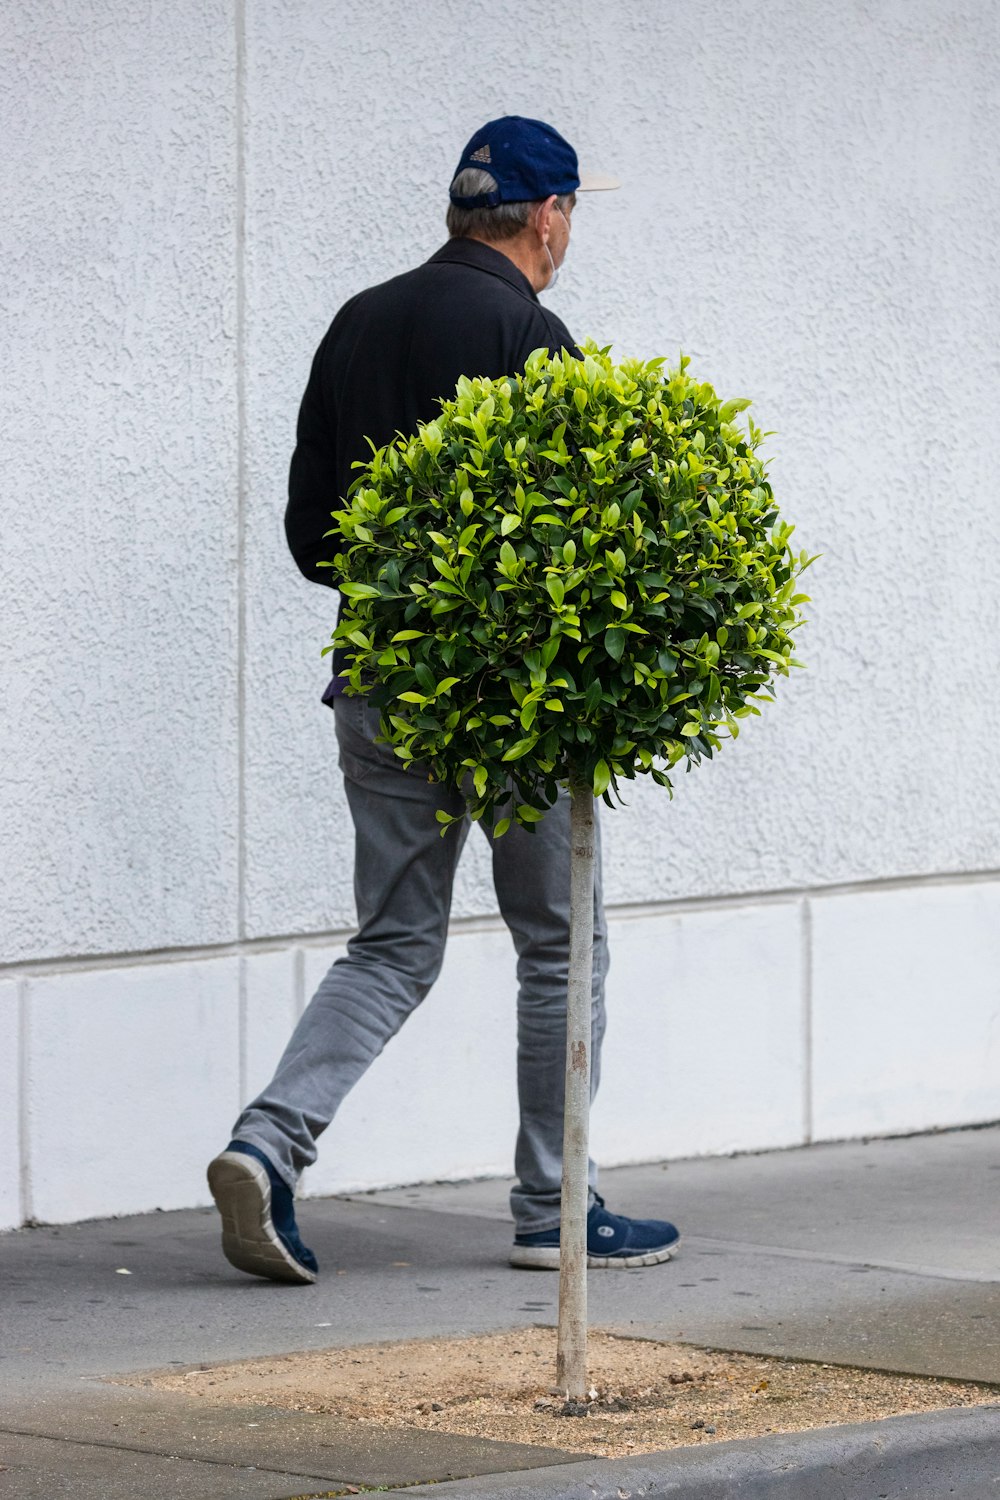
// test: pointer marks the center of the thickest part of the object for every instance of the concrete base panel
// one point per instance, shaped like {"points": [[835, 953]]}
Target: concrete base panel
{"points": [[743, 1026]]}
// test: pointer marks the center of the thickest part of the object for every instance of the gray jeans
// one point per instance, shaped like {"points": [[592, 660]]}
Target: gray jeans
{"points": [[403, 875]]}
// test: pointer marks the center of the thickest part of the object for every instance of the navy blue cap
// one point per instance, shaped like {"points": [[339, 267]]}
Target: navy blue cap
{"points": [[528, 159]]}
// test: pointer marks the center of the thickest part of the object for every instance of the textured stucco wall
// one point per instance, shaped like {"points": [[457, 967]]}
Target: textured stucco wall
{"points": [[811, 205], [811, 209], [117, 614]]}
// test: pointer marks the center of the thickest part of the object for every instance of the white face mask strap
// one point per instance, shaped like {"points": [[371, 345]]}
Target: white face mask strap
{"points": [[555, 269]]}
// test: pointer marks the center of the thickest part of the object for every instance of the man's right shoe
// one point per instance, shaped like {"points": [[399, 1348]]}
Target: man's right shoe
{"points": [[612, 1241], [259, 1233]]}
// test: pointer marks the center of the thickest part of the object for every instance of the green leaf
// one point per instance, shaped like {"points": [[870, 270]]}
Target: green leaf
{"points": [[527, 814], [602, 777], [521, 747], [614, 642], [549, 651], [360, 591]]}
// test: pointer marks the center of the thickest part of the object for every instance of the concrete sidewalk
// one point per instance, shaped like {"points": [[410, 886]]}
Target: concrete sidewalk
{"points": [[885, 1254]]}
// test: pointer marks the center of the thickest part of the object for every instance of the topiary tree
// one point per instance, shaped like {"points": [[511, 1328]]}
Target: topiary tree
{"points": [[568, 578]]}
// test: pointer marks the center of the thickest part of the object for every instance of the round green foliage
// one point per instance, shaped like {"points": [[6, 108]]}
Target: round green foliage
{"points": [[567, 577]]}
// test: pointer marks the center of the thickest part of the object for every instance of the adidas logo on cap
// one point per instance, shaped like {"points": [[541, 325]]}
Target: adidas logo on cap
{"points": [[483, 155]]}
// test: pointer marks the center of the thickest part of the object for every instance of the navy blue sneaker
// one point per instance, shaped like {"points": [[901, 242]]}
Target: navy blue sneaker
{"points": [[259, 1233], [612, 1240]]}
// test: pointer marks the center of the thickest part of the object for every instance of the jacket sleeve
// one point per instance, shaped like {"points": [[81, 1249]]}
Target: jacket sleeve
{"points": [[312, 482]]}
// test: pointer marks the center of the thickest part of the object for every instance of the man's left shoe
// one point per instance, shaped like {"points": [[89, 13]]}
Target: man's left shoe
{"points": [[259, 1233], [612, 1240]]}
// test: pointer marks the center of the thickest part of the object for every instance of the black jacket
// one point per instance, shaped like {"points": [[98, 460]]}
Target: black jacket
{"points": [[389, 356]]}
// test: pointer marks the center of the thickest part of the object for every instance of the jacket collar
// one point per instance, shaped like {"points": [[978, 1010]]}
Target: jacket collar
{"points": [[462, 252]]}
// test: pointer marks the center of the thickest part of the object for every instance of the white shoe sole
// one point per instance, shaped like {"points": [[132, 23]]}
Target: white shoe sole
{"points": [[242, 1192], [546, 1258]]}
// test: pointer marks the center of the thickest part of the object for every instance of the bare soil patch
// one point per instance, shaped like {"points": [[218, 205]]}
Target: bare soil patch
{"points": [[646, 1396]]}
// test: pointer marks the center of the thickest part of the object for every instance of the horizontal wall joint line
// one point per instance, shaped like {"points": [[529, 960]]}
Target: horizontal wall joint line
{"points": [[618, 912]]}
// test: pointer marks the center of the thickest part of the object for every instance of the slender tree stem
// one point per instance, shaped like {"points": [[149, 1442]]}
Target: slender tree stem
{"points": [[571, 1362]]}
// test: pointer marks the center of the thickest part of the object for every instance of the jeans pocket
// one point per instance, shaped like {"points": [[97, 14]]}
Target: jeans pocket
{"points": [[353, 741], [359, 723]]}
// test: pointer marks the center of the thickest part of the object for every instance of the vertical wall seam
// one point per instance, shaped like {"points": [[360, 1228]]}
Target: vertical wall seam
{"points": [[25, 1185], [299, 982], [241, 475], [807, 1022], [242, 1030]]}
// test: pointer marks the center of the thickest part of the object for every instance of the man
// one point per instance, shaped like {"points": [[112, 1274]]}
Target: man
{"points": [[390, 355]]}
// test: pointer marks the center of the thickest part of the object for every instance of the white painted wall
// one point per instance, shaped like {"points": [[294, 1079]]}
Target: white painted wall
{"points": [[805, 938]]}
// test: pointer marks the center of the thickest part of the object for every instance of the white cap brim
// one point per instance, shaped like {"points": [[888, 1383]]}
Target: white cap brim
{"points": [[597, 182]]}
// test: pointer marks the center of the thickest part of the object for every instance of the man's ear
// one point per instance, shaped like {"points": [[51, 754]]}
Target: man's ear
{"points": [[543, 217]]}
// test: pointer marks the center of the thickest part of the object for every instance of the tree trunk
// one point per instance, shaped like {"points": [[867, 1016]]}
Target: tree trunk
{"points": [[571, 1362]]}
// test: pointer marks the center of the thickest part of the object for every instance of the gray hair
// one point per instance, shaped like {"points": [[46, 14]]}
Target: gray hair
{"points": [[502, 222]]}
